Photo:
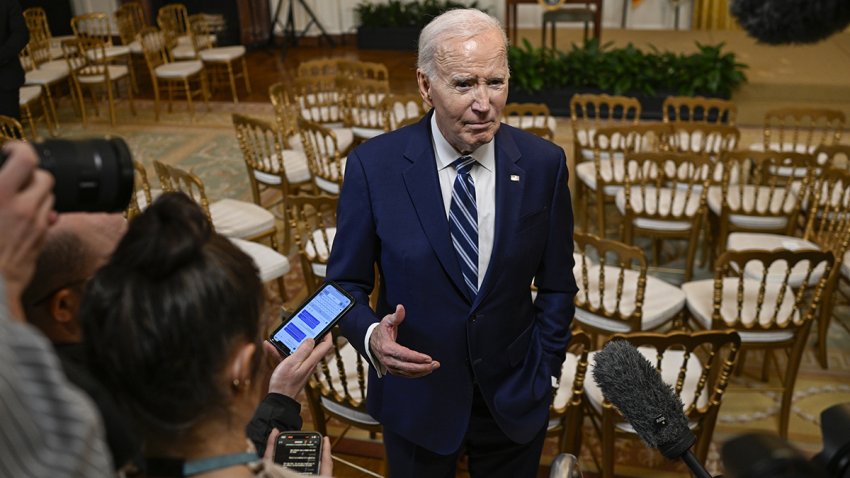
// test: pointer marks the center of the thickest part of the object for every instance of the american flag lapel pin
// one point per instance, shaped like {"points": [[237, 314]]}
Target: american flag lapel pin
{"points": [[515, 178]]}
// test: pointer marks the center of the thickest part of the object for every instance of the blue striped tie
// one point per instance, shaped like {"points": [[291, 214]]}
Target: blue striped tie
{"points": [[463, 223]]}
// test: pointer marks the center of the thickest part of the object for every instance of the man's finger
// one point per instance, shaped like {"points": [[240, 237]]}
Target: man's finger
{"points": [[303, 351], [396, 317], [270, 444], [18, 167]]}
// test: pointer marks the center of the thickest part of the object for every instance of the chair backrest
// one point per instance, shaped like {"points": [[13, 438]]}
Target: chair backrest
{"points": [[632, 138], [322, 150], [317, 99], [360, 100], [155, 48], [697, 366], [173, 179], [173, 20], [802, 129], [38, 53], [78, 56], [401, 109], [338, 386], [36, 21], [93, 25], [619, 269], [666, 186], [566, 412], [130, 19], [262, 149], [762, 299], [591, 112], [285, 112], [142, 196], [766, 184], [367, 70], [703, 138], [532, 117], [10, 128], [834, 156], [698, 109], [322, 67], [202, 32], [828, 223], [312, 218]]}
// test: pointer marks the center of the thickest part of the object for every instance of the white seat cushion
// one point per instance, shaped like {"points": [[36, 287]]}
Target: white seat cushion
{"points": [[699, 298], [136, 47], [240, 219], [295, 165], [610, 170], [665, 204], [60, 65], [222, 53], [349, 360], [528, 121], [183, 52], [110, 52], [344, 138], [29, 93], [179, 69], [661, 302], [115, 72], [742, 241], [755, 198], [45, 76], [328, 186], [270, 263], [670, 367]]}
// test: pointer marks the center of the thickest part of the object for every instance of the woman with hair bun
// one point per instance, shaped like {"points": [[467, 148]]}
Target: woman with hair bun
{"points": [[174, 318]]}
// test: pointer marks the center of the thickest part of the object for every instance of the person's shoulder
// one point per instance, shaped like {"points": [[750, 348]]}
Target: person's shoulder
{"points": [[388, 145]]}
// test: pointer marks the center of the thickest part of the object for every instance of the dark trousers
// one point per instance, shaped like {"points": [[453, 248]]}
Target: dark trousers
{"points": [[489, 451], [9, 103]]}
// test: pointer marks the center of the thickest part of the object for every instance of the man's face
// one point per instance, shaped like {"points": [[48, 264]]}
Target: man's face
{"points": [[469, 89]]}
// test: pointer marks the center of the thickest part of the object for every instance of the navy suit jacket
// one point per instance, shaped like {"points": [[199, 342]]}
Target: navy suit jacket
{"points": [[391, 213]]}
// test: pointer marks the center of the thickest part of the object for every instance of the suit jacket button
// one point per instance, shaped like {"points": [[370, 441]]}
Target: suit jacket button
{"points": [[473, 317]]}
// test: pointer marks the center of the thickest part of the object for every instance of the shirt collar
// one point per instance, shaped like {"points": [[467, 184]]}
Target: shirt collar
{"points": [[446, 154]]}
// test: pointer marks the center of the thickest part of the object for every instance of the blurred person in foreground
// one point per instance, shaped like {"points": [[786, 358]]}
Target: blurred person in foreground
{"points": [[460, 213], [48, 428], [175, 314]]}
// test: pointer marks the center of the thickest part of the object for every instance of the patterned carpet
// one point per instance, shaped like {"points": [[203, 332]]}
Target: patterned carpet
{"points": [[208, 147]]}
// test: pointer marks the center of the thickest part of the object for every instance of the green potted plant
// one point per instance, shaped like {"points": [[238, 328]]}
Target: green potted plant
{"points": [[552, 76], [395, 25]]}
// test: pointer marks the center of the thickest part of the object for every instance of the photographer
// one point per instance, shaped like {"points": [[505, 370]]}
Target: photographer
{"points": [[49, 428]]}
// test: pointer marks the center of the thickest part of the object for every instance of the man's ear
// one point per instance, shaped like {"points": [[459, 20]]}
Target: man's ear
{"points": [[64, 307], [424, 87]]}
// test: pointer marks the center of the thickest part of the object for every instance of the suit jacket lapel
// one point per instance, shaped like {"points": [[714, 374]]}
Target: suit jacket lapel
{"points": [[509, 194], [423, 185]]}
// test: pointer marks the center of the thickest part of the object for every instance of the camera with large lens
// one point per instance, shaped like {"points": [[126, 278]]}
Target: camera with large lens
{"points": [[91, 175]]}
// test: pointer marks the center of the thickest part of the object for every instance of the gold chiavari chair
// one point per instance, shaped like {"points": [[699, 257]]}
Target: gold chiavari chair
{"points": [[697, 367], [532, 117], [591, 112], [361, 100], [48, 74], [312, 219], [327, 165], [801, 130], [769, 314], [616, 295], [94, 75], [10, 128], [98, 25], [30, 97], [664, 197], [600, 179], [241, 222], [219, 61], [698, 109], [130, 19], [322, 67], [173, 21], [402, 109], [566, 414], [172, 75]]}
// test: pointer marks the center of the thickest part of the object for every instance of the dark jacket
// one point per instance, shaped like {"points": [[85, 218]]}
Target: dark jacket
{"points": [[13, 38]]}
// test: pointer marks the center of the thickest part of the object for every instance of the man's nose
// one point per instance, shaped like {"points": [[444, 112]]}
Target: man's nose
{"points": [[481, 97]]}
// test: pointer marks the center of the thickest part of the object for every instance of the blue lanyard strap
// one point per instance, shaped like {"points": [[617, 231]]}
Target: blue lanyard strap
{"points": [[176, 467]]}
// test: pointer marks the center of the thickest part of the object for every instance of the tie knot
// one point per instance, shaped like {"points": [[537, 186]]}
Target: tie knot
{"points": [[463, 164]]}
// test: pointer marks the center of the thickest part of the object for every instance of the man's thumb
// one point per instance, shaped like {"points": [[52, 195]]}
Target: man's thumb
{"points": [[397, 317]]}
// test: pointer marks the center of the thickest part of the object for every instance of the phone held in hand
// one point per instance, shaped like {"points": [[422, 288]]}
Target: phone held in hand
{"points": [[313, 319], [299, 451]]}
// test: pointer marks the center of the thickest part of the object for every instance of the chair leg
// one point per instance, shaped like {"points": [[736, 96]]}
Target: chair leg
{"points": [[26, 115], [824, 318], [232, 82], [111, 102], [156, 99], [189, 98], [52, 106], [245, 75], [130, 99]]}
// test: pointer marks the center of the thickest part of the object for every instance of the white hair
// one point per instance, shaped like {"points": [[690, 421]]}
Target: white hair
{"points": [[458, 23]]}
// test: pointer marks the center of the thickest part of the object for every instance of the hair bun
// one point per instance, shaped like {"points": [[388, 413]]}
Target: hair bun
{"points": [[167, 235]]}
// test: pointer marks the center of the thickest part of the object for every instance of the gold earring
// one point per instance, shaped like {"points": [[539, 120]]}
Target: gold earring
{"points": [[235, 383]]}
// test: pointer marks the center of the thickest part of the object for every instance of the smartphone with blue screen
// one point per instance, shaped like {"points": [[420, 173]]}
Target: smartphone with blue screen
{"points": [[313, 319]]}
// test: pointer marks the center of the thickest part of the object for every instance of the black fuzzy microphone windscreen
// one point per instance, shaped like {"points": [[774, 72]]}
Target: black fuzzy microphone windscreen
{"points": [[781, 22], [633, 385]]}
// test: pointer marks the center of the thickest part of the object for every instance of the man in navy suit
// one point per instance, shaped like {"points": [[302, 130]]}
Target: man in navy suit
{"points": [[460, 213]]}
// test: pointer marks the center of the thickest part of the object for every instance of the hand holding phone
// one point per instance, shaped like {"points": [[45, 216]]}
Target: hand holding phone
{"points": [[291, 373], [299, 451], [313, 319]]}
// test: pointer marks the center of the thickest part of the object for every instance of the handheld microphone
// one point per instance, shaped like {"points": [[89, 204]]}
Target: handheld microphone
{"points": [[635, 387], [780, 22]]}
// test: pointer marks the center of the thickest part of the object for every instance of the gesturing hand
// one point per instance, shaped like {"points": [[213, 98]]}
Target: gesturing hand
{"points": [[398, 359]]}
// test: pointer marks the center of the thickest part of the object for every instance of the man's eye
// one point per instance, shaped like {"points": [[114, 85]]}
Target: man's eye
{"points": [[463, 85], [496, 83]]}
